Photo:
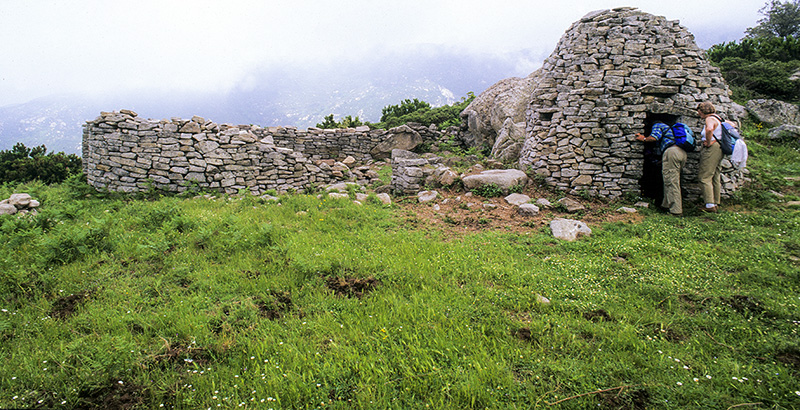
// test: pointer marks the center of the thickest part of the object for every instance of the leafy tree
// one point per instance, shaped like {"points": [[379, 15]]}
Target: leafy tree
{"points": [[760, 65], [23, 164], [328, 123], [346, 122], [780, 20], [421, 112], [406, 107]]}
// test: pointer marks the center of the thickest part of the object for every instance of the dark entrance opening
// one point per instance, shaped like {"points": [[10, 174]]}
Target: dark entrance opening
{"points": [[652, 183]]}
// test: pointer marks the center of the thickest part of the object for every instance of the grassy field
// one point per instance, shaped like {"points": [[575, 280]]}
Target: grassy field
{"points": [[114, 302]]}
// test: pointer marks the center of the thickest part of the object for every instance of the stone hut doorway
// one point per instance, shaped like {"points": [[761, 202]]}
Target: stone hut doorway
{"points": [[651, 182]]}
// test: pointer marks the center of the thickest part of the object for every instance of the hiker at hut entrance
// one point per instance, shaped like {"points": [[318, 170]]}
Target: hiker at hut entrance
{"points": [[710, 156], [673, 158]]}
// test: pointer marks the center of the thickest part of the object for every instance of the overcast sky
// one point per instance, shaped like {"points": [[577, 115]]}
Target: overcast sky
{"points": [[102, 47]]}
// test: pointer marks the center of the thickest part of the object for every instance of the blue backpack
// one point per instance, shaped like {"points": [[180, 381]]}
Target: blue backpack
{"points": [[729, 136], [684, 137]]}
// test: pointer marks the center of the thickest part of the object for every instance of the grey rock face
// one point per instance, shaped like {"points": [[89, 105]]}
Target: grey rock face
{"points": [[773, 112], [496, 118], [785, 131]]}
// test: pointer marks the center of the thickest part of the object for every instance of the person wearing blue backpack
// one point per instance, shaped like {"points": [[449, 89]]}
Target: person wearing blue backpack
{"points": [[673, 158], [710, 157]]}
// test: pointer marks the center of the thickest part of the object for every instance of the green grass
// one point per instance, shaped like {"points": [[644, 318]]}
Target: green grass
{"points": [[195, 303]]}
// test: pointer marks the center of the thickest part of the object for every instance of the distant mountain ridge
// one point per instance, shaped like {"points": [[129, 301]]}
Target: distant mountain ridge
{"points": [[288, 96]]}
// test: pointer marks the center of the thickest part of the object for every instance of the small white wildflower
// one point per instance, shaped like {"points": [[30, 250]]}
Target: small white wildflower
{"points": [[679, 384], [708, 376], [696, 379]]}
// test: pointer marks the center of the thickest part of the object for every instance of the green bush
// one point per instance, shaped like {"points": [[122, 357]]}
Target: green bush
{"points": [[23, 164], [761, 78], [488, 191], [759, 67], [422, 113], [408, 111]]}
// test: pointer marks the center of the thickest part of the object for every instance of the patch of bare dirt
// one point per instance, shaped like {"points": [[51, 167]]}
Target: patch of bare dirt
{"points": [[472, 214], [351, 287], [743, 304], [598, 315], [65, 306], [276, 307], [116, 396], [625, 400], [525, 335], [791, 357]]}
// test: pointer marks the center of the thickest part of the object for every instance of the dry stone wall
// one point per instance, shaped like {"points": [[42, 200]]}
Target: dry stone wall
{"points": [[611, 76], [123, 152]]}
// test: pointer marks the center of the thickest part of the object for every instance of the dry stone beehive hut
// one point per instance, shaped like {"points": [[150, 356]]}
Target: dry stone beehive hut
{"points": [[612, 75]]}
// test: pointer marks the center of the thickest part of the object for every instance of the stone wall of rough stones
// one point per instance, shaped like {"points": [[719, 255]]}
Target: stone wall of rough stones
{"points": [[612, 73], [122, 152]]}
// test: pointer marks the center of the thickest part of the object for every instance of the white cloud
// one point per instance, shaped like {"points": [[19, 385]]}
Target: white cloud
{"points": [[106, 46]]}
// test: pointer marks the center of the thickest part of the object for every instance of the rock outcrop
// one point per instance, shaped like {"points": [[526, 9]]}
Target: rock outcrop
{"points": [[774, 113], [496, 118]]}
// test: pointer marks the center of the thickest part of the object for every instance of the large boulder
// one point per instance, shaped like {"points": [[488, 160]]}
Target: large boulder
{"points": [[402, 137], [496, 118], [505, 179], [773, 112]]}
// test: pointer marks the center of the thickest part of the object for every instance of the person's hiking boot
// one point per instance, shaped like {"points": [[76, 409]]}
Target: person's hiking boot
{"points": [[711, 210], [678, 215]]}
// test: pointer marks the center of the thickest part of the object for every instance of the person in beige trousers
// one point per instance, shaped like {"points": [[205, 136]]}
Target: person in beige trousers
{"points": [[710, 157], [673, 159]]}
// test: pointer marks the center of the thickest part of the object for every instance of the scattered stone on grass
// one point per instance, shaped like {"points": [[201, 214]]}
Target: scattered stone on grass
{"points": [[384, 198], [571, 205], [505, 179], [528, 210], [627, 210], [542, 300], [19, 204], [517, 199], [427, 196], [569, 229]]}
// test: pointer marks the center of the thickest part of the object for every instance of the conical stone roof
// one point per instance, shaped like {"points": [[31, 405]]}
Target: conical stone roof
{"points": [[612, 74]]}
